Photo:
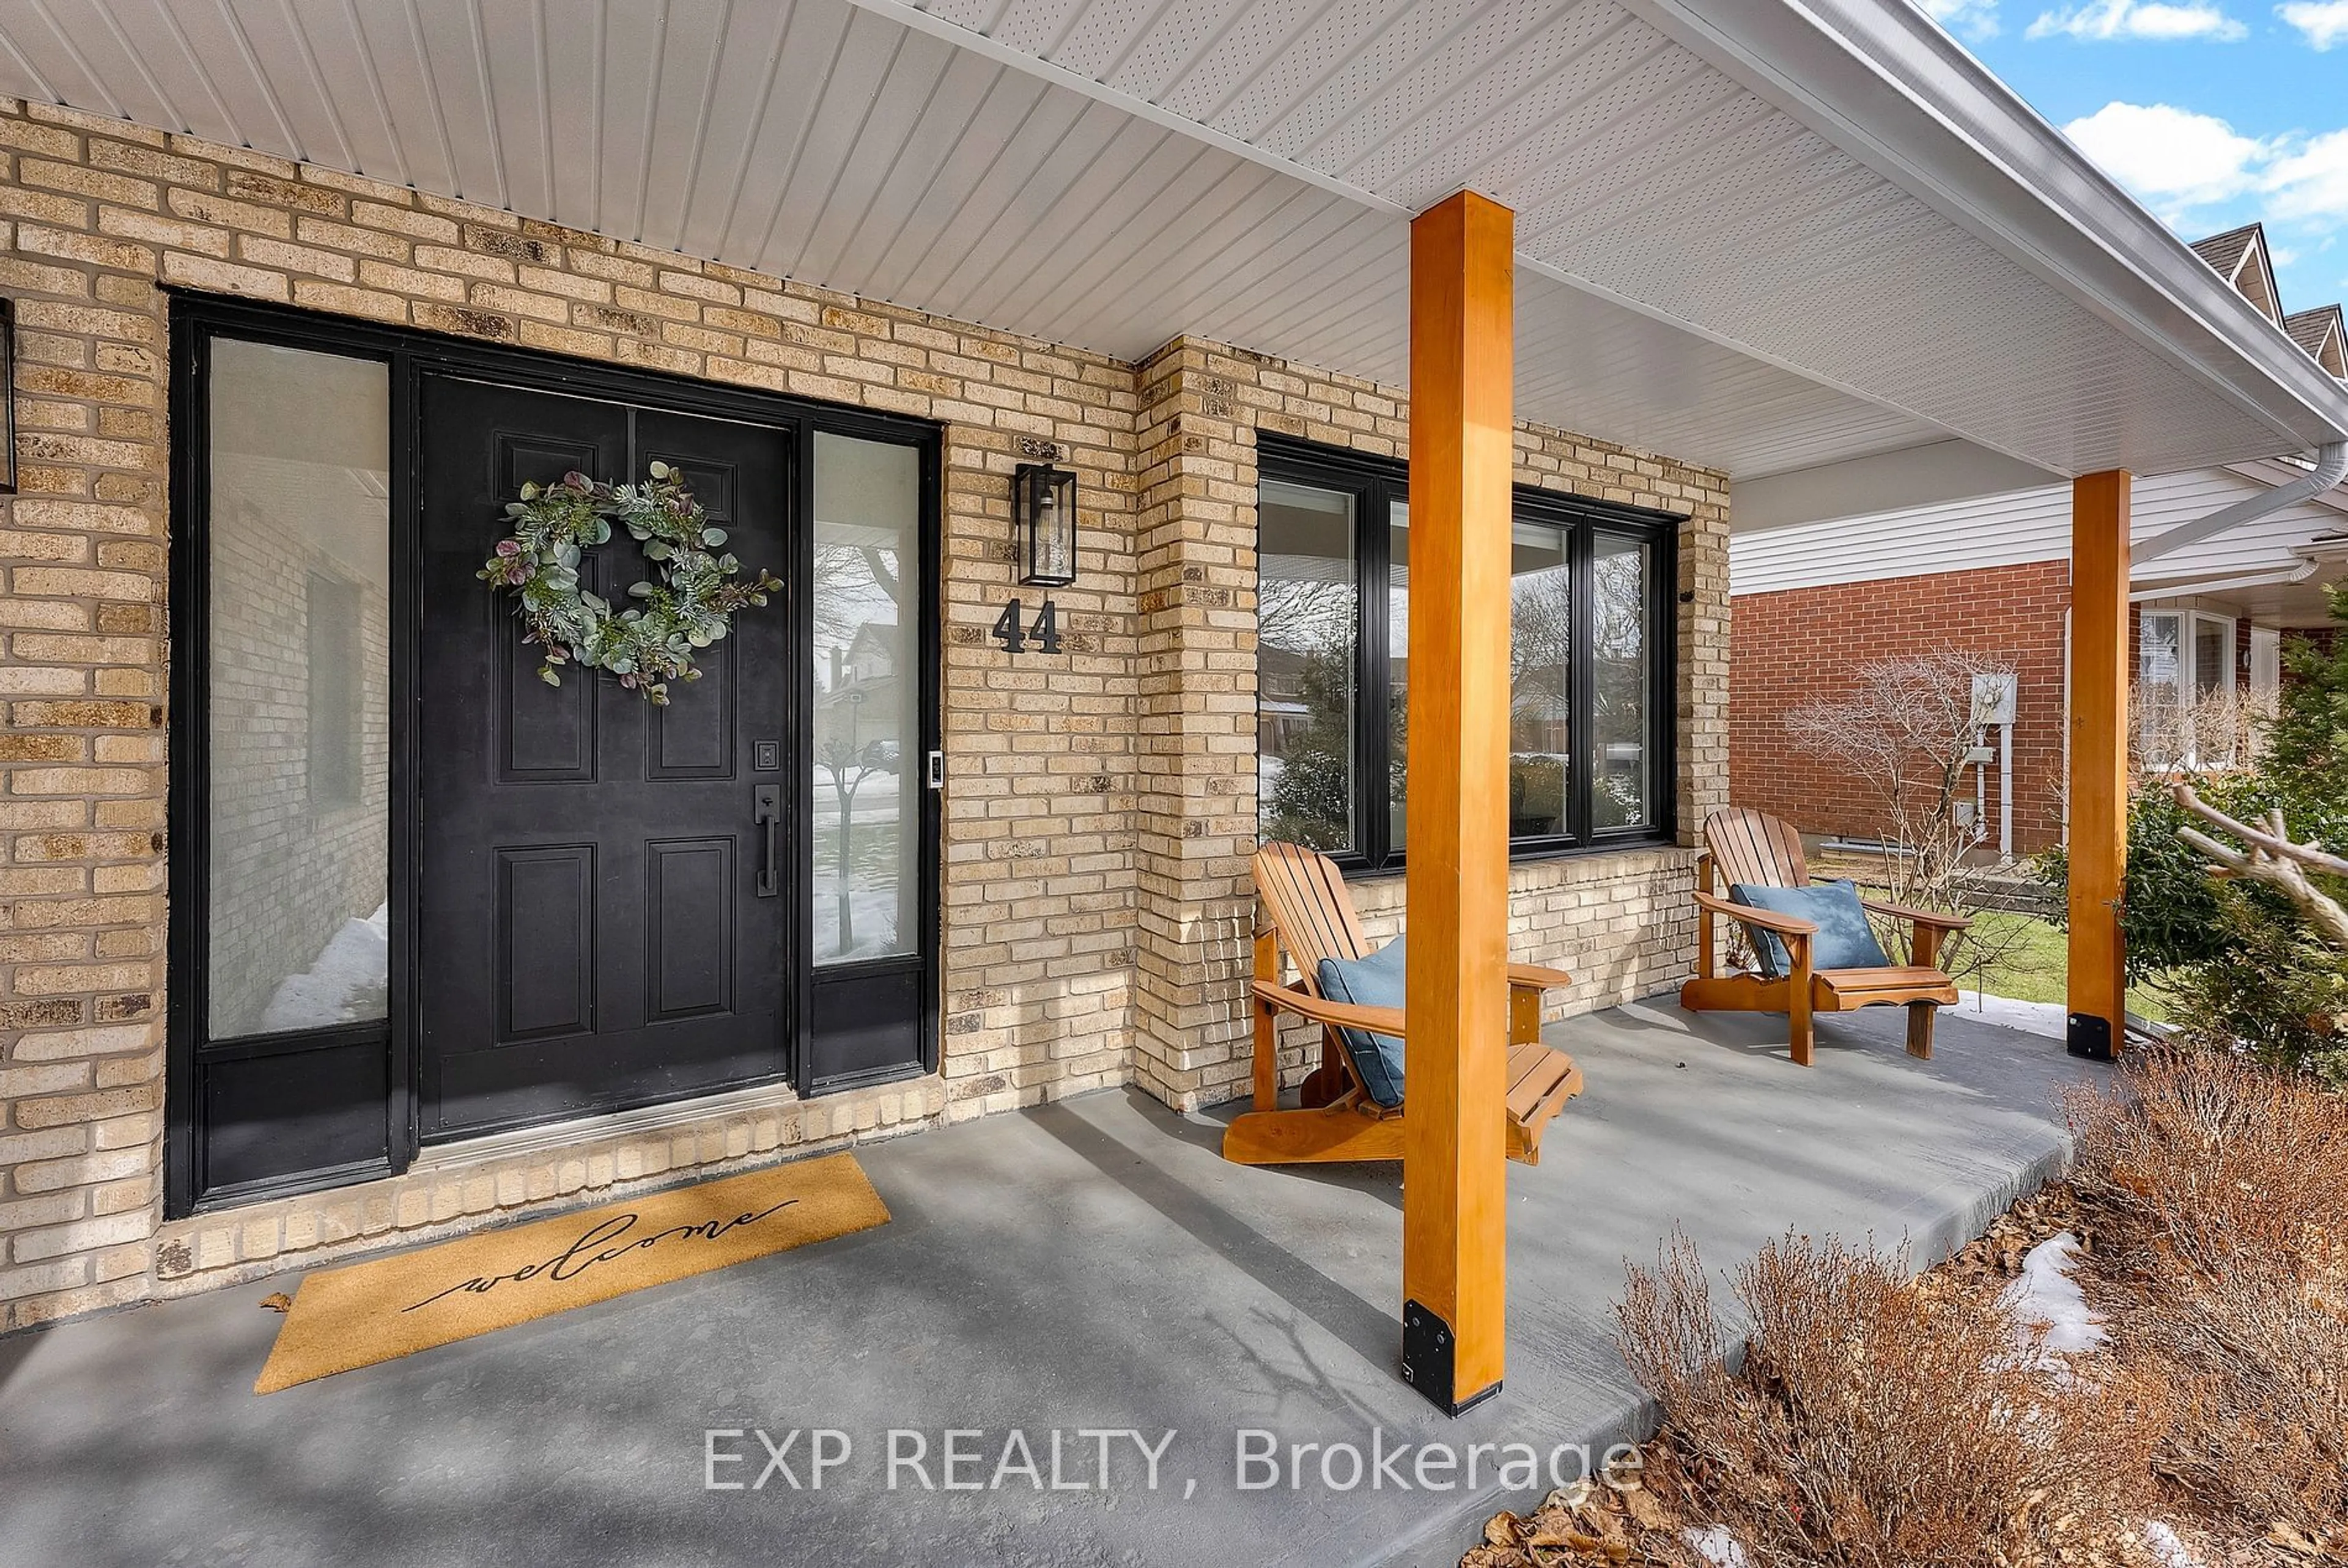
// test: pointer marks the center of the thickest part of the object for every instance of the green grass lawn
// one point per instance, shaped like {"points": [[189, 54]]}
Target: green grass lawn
{"points": [[2033, 963]]}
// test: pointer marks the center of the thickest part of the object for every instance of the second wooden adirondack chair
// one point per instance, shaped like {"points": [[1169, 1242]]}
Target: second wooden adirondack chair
{"points": [[1754, 850], [1307, 913]]}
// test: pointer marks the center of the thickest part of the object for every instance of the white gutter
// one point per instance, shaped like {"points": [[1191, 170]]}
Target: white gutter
{"points": [[2330, 467], [2189, 587]]}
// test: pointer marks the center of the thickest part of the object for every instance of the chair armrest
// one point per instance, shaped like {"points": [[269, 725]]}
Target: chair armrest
{"points": [[1538, 978], [1768, 920], [1337, 1015], [1920, 917]]}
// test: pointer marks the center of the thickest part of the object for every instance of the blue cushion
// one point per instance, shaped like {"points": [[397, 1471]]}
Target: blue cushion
{"points": [[1374, 980], [1845, 940]]}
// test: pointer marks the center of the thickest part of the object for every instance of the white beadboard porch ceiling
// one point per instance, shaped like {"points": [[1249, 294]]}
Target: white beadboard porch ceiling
{"points": [[1706, 274]]}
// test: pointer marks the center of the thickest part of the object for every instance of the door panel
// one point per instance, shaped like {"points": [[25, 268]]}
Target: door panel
{"points": [[545, 927], [592, 936], [689, 956]]}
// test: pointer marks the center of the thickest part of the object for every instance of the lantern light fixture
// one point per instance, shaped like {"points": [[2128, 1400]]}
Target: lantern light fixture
{"points": [[1044, 513]]}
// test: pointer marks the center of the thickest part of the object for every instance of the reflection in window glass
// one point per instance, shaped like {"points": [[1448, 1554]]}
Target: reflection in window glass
{"points": [[2213, 692], [1541, 680], [2213, 641], [1397, 669], [299, 716], [1306, 606], [866, 691], [2160, 687], [1621, 777]]}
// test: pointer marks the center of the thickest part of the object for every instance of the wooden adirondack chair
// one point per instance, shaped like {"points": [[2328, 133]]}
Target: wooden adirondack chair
{"points": [[1755, 849], [1307, 913]]}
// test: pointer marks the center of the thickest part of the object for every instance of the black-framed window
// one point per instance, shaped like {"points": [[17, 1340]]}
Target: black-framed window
{"points": [[1591, 668]]}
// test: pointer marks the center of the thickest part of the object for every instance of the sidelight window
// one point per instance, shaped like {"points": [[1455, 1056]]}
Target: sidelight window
{"points": [[868, 758], [299, 705]]}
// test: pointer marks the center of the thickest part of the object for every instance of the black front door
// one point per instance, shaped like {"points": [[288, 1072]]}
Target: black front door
{"points": [[602, 919]]}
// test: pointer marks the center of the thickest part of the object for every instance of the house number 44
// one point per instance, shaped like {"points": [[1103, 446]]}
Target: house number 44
{"points": [[1044, 632]]}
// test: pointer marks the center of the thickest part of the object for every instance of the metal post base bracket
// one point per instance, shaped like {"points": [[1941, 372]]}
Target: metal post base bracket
{"points": [[2089, 1036], [1426, 1360]]}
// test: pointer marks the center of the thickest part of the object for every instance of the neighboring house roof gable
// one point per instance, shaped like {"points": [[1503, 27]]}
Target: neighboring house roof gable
{"points": [[2240, 256], [2323, 334]]}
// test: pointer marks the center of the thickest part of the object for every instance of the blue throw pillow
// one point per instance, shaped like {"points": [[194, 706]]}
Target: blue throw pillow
{"points": [[1375, 980], [1845, 940]]}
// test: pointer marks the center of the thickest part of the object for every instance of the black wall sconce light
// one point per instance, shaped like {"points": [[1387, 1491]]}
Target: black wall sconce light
{"points": [[1044, 513], [8, 397]]}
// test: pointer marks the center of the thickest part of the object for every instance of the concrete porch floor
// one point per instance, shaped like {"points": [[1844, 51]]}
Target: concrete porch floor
{"points": [[1089, 1265]]}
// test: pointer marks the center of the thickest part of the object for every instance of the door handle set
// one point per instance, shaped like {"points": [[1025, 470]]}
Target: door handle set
{"points": [[767, 810]]}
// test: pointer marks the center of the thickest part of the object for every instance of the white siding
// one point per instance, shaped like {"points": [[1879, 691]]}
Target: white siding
{"points": [[2024, 526]]}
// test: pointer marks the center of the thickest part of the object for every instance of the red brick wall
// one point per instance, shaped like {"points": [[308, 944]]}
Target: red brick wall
{"points": [[1790, 646]]}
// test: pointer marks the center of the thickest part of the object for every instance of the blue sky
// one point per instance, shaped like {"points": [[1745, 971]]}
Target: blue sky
{"points": [[2211, 112]]}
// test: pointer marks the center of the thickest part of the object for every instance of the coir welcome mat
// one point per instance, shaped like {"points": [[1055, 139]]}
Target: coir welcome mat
{"points": [[394, 1307]]}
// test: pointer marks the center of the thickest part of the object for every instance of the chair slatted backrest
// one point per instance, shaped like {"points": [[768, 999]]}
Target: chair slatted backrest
{"points": [[1755, 848], [1304, 896]]}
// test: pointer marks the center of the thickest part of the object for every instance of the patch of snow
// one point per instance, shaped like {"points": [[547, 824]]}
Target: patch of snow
{"points": [[872, 911], [345, 983], [2167, 1546], [1716, 1546], [2048, 1018], [2047, 1296]]}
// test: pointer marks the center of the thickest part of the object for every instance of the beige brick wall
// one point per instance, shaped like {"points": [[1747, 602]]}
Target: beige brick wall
{"points": [[93, 214], [1100, 807]]}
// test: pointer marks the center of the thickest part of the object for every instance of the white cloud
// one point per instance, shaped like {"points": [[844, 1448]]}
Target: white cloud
{"points": [[2160, 20], [2325, 22], [1976, 19], [2172, 158], [2311, 183], [2200, 174]]}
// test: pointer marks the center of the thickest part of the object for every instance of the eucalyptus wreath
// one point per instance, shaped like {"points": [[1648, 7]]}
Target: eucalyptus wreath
{"points": [[652, 643]]}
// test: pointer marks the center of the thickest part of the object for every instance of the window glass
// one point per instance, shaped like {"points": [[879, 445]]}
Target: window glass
{"points": [[2161, 685], [2213, 645], [1621, 784], [2215, 712], [1335, 667], [299, 718], [1541, 680], [868, 761], [1309, 619], [1398, 672]]}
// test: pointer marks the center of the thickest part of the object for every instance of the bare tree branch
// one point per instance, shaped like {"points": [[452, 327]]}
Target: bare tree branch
{"points": [[2269, 856], [1906, 732]]}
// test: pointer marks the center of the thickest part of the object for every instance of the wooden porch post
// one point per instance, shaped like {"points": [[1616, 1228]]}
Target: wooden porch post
{"points": [[1454, 1215], [2099, 730]]}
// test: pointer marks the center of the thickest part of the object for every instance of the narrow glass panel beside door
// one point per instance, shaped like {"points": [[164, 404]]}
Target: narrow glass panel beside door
{"points": [[866, 737], [299, 717], [1622, 794]]}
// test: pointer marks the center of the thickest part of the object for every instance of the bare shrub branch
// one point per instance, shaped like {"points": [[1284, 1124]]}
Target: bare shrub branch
{"points": [[2223, 1182], [1870, 1423]]}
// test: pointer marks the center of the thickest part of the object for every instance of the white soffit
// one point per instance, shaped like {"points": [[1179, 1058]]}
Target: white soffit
{"points": [[1652, 156], [1704, 274]]}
